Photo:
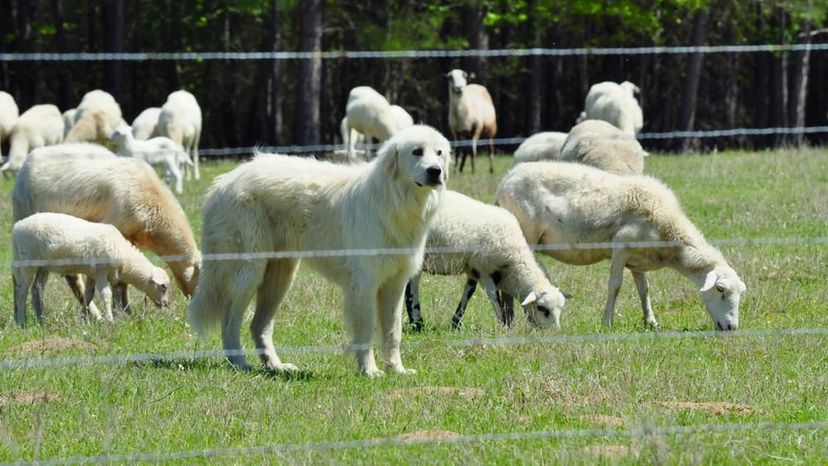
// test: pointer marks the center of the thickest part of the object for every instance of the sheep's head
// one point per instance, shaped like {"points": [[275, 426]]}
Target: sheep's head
{"points": [[157, 287], [457, 79], [544, 308], [722, 290]]}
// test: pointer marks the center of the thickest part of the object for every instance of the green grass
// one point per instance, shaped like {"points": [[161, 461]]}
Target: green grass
{"points": [[470, 391]]}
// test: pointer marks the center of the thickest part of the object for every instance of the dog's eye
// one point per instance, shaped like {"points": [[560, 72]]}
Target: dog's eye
{"points": [[439, 152], [418, 152]]}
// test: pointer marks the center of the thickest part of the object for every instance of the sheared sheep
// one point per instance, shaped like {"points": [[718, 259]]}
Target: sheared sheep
{"points": [[560, 203], [143, 126], [368, 112], [602, 145], [615, 104], [69, 245], [159, 152], [540, 146], [8, 117], [485, 243], [97, 115], [471, 115], [39, 126], [180, 120]]}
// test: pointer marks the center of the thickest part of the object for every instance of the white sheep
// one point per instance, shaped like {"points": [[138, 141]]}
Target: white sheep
{"points": [[485, 243], [180, 120], [602, 145], [471, 115], [159, 152], [616, 104], [8, 117], [368, 112], [97, 115], [540, 146], [69, 245], [143, 126], [41, 125], [68, 120], [90, 182], [561, 203]]}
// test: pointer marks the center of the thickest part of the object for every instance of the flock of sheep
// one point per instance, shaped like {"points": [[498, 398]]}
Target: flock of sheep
{"points": [[82, 211]]}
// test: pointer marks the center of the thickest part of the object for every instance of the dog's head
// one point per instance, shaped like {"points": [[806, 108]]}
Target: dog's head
{"points": [[418, 155]]}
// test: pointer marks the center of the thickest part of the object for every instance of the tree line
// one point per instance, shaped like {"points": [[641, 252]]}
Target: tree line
{"points": [[280, 102]]}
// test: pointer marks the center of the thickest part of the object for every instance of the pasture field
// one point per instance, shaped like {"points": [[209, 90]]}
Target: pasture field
{"points": [[595, 395]]}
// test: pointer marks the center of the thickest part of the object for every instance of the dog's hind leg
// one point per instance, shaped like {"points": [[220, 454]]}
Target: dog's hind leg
{"points": [[277, 279], [241, 289], [389, 313]]}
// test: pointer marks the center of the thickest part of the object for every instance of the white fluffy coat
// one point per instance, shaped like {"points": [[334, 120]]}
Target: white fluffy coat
{"points": [[97, 115], [602, 145], [8, 117], [143, 126], [180, 120], [369, 113], [39, 126], [541, 146], [160, 151]]}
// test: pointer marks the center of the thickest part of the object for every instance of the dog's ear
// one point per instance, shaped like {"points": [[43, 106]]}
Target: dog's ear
{"points": [[391, 159]]}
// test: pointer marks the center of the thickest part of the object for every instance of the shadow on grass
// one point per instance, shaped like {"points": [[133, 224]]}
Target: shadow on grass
{"points": [[187, 364]]}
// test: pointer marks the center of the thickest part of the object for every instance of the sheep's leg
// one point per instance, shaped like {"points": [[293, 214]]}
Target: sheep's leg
{"points": [[493, 295], [196, 141], [88, 295], [78, 289], [38, 290], [475, 137], [120, 296], [412, 303], [468, 292], [248, 277], [643, 287], [491, 155], [507, 303], [103, 290], [361, 319], [389, 313], [22, 279], [175, 173], [277, 279], [619, 259]]}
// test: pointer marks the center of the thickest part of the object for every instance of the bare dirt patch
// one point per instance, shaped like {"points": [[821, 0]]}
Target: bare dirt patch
{"points": [[607, 450], [603, 419], [27, 398], [429, 435], [466, 392], [51, 345], [713, 407]]}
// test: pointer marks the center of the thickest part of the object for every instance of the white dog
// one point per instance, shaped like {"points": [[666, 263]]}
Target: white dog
{"points": [[281, 203]]}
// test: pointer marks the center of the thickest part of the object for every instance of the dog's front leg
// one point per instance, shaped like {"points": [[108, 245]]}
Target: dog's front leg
{"points": [[360, 312], [389, 314]]}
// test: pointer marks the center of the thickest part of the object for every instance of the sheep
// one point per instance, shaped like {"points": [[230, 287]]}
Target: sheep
{"points": [[180, 120], [90, 182], [616, 104], [471, 115], [70, 245], [158, 152], [144, 124], [41, 125], [368, 112], [8, 117], [559, 203], [97, 115], [602, 145], [485, 243], [540, 146], [68, 120]]}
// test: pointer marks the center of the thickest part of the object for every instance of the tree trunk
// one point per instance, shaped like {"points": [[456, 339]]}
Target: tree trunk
{"points": [[310, 73], [779, 83], [113, 27], [691, 88], [64, 93], [276, 130], [536, 87], [474, 12], [173, 42], [799, 88], [6, 28]]}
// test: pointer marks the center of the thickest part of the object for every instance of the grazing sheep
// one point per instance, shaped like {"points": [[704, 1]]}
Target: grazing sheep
{"points": [[281, 203], [39, 126], [368, 112], [90, 182], [180, 120], [97, 115], [159, 152], [355, 136], [471, 115], [540, 146], [8, 117], [559, 203], [602, 145], [486, 244], [68, 120], [143, 126], [615, 104], [70, 245]]}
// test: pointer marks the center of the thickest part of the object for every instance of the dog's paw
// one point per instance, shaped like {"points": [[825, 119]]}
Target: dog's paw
{"points": [[402, 370], [373, 373], [282, 367]]}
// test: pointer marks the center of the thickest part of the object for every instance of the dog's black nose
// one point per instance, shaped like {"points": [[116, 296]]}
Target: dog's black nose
{"points": [[434, 175]]}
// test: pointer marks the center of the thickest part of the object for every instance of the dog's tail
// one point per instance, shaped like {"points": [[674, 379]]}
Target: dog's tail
{"points": [[205, 312]]}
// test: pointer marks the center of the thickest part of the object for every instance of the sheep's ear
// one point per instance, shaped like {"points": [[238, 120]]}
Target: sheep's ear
{"points": [[470, 75], [529, 299], [709, 281], [448, 74]]}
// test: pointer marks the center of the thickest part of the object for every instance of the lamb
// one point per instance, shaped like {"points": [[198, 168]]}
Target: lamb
{"points": [[158, 152], [368, 112], [180, 120], [559, 203], [540, 146], [97, 115], [8, 117], [485, 243], [602, 145], [143, 126], [90, 182], [616, 104], [69, 245], [41, 125], [471, 115]]}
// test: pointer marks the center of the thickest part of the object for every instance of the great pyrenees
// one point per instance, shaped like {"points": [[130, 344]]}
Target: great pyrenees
{"points": [[283, 203]]}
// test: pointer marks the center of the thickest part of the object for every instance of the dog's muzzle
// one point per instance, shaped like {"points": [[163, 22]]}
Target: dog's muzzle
{"points": [[434, 176]]}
